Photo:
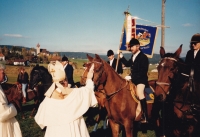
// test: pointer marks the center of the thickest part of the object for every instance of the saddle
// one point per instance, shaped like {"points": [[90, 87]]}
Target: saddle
{"points": [[149, 93]]}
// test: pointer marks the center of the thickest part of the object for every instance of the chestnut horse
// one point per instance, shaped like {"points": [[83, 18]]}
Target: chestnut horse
{"points": [[13, 93], [181, 108], [119, 102]]}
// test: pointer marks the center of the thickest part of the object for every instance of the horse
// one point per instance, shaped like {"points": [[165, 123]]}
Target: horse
{"points": [[37, 75], [180, 114], [116, 88], [14, 95]]}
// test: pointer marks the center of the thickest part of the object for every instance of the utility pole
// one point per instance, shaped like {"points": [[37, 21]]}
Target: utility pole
{"points": [[163, 24]]}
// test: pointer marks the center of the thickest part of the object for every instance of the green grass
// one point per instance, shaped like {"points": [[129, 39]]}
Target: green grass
{"points": [[28, 126]]}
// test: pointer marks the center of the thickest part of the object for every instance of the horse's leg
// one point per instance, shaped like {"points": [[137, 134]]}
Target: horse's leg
{"points": [[115, 128], [36, 103], [128, 125], [19, 108]]}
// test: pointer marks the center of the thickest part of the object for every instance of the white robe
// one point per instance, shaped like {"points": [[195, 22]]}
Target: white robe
{"points": [[9, 127], [63, 118]]}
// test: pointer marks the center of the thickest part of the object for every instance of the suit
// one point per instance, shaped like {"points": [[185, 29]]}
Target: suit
{"points": [[193, 62], [119, 67], [139, 68], [69, 74]]}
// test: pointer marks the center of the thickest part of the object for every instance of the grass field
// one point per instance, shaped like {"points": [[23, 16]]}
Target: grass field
{"points": [[29, 127]]}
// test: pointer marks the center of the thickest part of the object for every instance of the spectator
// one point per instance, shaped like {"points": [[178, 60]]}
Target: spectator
{"points": [[9, 127], [23, 79]]}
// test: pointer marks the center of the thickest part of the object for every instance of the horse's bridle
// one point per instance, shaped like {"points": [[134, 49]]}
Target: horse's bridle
{"points": [[165, 83]]}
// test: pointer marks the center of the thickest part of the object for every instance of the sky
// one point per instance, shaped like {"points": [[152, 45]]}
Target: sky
{"points": [[93, 26]]}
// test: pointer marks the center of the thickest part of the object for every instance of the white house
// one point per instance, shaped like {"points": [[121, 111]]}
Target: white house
{"points": [[2, 57]]}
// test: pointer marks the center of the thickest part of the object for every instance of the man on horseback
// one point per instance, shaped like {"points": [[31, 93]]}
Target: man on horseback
{"points": [[139, 68], [193, 57], [113, 62], [23, 79]]}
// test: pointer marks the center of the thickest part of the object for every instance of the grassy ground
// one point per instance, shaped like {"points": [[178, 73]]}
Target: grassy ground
{"points": [[31, 129]]}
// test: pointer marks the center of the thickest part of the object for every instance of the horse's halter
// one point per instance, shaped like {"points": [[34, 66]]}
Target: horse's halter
{"points": [[39, 77], [174, 71]]}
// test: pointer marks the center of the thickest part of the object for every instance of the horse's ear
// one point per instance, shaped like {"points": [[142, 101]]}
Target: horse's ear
{"points": [[89, 58], [97, 57], [162, 52], [178, 51]]}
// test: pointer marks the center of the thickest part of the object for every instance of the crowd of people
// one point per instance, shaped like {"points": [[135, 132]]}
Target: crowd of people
{"points": [[61, 112]]}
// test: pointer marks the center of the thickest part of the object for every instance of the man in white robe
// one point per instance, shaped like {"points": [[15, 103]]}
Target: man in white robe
{"points": [[9, 127], [64, 117]]}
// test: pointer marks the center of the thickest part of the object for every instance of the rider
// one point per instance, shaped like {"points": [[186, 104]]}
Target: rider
{"points": [[113, 62], [139, 64], [193, 57]]}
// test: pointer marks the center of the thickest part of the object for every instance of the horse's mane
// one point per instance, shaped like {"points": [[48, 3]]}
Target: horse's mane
{"points": [[39, 68], [111, 68]]}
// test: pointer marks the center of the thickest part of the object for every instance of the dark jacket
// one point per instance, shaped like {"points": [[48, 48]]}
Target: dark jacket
{"points": [[193, 62], [139, 68], [69, 74], [23, 78], [119, 67]]}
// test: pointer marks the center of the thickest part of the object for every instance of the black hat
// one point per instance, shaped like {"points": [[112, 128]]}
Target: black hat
{"points": [[64, 58], [110, 52], [134, 42], [195, 38]]}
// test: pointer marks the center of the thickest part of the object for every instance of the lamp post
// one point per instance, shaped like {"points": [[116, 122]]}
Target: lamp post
{"points": [[163, 24]]}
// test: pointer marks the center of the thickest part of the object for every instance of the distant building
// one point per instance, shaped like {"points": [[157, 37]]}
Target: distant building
{"points": [[19, 62], [2, 57], [41, 51]]}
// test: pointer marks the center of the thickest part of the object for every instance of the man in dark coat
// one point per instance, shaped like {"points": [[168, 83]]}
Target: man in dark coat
{"points": [[193, 57], [139, 65], [113, 61], [68, 71]]}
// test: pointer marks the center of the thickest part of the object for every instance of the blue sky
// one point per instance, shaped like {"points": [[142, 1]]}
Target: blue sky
{"points": [[93, 26]]}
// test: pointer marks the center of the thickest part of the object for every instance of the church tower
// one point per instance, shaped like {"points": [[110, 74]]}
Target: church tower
{"points": [[38, 49]]}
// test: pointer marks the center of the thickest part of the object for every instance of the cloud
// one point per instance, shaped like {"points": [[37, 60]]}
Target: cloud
{"points": [[14, 35], [187, 25]]}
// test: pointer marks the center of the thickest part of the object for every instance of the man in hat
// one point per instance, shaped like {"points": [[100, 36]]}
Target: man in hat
{"points": [[68, 71], [63, 115], [193, 57], [9, 127], [23, 79], [113, 61], [139, 64]]}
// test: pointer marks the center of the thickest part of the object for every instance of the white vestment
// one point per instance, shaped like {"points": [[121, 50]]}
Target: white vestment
{"points": [[63, 118], [9, 127]]}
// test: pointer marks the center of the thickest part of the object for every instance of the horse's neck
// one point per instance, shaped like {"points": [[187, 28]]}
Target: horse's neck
{"points": [[114, 82], [46, 79]]}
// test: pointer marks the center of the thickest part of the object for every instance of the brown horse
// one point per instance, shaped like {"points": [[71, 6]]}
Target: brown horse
{"points": [[14, 95], [181, 108], [120, 104]]}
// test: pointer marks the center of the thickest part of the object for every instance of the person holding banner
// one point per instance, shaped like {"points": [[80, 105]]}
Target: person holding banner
{"points": [[113, 61], [139, 65]]}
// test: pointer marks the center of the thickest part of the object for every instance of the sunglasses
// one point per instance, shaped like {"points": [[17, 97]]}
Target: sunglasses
{"points": [[194, 43]]}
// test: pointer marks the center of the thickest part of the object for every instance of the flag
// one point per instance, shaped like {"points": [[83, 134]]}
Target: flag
{"points": [[145, 34]]}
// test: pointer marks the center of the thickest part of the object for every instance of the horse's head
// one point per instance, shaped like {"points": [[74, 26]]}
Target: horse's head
{"points": [[167, 69], [99, 73], [39, 74]]}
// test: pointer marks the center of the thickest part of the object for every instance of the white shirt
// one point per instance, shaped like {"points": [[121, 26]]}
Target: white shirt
{"points": [[111, 61], [65, 66], [195, 52], [135, 55]]}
